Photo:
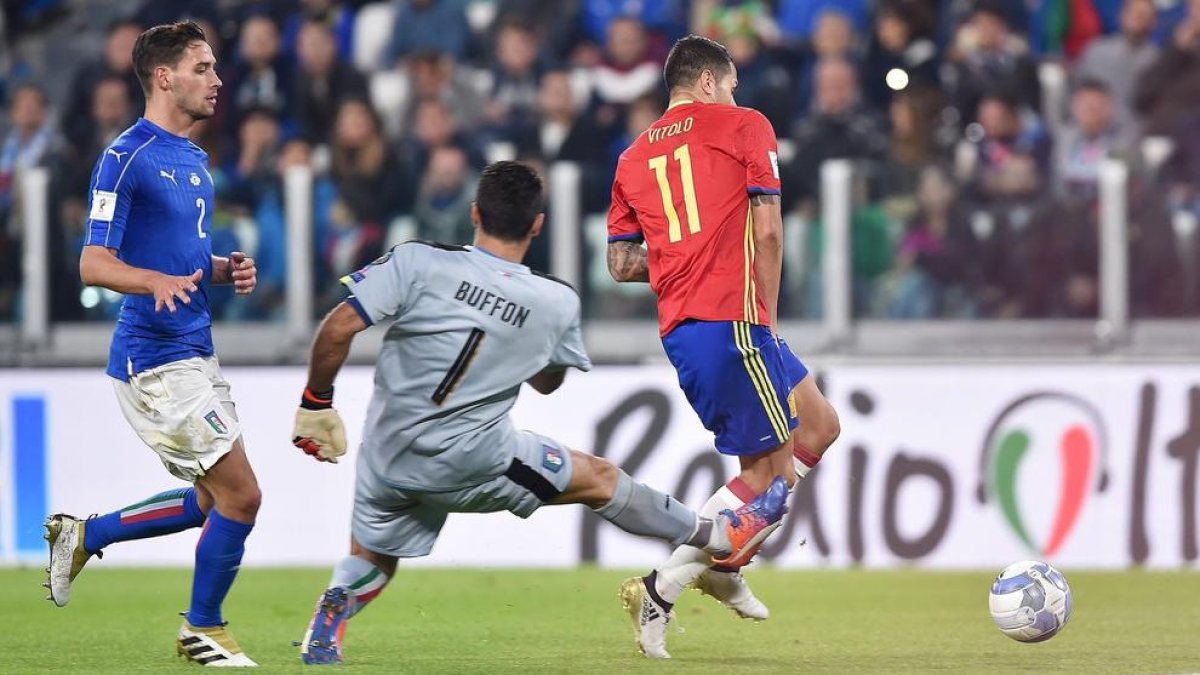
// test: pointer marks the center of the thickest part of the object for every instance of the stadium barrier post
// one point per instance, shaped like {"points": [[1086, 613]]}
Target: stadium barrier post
{"points": [[298, 207], [566, 223], [35, 258], [836, 198], [1113, 325]]}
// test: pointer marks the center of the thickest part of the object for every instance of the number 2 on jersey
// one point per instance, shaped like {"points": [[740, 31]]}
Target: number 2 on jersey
{"points": [[200, 220], [658, 164]]}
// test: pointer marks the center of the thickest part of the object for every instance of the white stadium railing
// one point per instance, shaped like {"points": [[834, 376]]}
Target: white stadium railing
{"points": [[38, 341]]}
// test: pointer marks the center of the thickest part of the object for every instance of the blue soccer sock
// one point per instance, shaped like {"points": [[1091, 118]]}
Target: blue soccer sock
{"points": [[218, 556], [164, 513]]}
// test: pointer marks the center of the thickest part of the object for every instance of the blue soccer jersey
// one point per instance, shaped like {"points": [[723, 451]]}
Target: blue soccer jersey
{"points": [[151, 201]]}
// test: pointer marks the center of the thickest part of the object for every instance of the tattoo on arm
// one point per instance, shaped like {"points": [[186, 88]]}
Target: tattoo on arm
{"points": [[764, 200], [627, 261]]}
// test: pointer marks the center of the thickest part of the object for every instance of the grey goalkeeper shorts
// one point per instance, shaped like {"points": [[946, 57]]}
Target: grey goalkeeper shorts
{"points": [[405, 523]]}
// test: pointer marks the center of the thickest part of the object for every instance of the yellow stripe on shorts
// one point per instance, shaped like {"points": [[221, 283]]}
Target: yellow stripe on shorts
{"points": [[752, 360]]}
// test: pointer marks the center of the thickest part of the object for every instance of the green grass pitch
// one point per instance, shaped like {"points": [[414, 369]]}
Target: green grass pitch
{"points": [[570, 621]]}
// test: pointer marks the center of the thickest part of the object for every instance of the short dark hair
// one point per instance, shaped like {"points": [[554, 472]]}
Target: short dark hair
{"points": [[509, 197], [693, 55], [1094, 84], [163, 46], [995, 8]]}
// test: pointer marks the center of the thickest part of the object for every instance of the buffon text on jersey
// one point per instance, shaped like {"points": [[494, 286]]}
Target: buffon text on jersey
{"points": [[491, 304]]}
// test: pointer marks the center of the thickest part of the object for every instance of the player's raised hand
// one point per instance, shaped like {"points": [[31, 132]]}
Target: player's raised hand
{"points": [[243, 273], [167, 289]]}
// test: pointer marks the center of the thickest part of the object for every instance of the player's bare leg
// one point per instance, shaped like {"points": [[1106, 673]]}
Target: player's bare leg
{"points": [[818, 429], [231, 490]]}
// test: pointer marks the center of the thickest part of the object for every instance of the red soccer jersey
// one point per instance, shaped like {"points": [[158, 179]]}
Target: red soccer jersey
{"points": [[683, 186]]}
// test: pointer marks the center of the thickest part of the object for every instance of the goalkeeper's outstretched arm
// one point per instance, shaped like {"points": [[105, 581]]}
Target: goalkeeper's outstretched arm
{"points": [[319, 431], [332, 345]]}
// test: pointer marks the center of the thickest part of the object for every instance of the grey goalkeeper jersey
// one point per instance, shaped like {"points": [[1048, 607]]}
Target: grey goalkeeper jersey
{"points": [[466, 329]]}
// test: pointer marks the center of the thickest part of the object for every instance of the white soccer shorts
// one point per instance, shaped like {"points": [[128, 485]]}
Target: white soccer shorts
{"points": [[183, 411]]}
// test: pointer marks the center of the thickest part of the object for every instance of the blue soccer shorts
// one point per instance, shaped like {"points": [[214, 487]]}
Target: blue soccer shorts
{"points": [[739, 380]]}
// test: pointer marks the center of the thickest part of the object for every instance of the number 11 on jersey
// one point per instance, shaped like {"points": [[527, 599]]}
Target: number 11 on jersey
{"points": [[658, 164]]}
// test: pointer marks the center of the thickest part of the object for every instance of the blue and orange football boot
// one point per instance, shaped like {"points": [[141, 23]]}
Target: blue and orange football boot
{"points": [[322, 643], [749, 526]]}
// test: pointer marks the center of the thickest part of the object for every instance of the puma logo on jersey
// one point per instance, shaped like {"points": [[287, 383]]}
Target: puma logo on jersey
{"points": [[171, 175], [116, 154]]}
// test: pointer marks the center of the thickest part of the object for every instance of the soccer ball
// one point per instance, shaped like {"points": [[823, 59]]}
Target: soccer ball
{"points": [[1030, 601]]}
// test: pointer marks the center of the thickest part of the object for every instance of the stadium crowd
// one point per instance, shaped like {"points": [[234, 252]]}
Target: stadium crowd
{"points": [[975, 191]]}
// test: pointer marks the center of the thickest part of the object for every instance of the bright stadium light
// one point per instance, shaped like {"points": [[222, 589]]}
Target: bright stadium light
{"points": [[896, 79], [89, 297]]}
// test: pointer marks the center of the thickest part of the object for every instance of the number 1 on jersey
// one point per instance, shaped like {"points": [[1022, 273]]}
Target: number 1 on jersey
{"points": [[658, 164], [459, 367], [200, 220]]}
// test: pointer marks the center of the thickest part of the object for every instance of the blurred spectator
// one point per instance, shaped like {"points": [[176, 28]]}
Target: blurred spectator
{"points": [[915, 144], [321, 82], [271, 256], [556, 24], [117, 62], [1171, 13], [369, 178], [513, 98], [1168, 94], [429, 25], [664, 20], [627, 71], [28, 143], [434, 127], [871, 253], [157, 12], [1064, 29], [562, 132], [111, 114], [640, 115], [1053, 264], [1010, 163], [260, 77], [901, 54], [1119, 60], [837, 128], [254, 168], [743, 26], [443, 206], [988, 57], [434, 76], [352, 243], [833, 38], [336, 15], [934, 274], [799, 19], [1092, 135], [722, 19]]}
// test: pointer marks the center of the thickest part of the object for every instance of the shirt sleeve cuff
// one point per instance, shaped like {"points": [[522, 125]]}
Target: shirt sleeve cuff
{"points": [[353, 302], [760, 190], [629, 236]]}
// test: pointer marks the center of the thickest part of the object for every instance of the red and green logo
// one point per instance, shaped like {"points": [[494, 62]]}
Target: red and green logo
{"points": [[1040, 459]]}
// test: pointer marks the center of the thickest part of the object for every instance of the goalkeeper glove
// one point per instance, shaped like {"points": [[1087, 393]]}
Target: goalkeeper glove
{"points": [[319, 431]]}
